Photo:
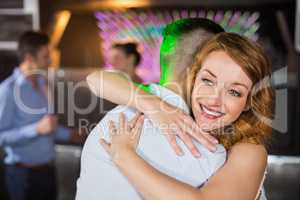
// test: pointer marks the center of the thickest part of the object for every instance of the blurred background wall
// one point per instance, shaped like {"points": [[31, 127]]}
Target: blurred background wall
{"points": [[81, 31]]}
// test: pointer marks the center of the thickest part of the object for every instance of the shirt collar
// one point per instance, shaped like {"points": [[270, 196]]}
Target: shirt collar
{"points": [[170, 97], [21, 78]]}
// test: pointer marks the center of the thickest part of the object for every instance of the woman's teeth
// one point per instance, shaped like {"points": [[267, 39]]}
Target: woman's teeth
{"points": [[214, 114]]}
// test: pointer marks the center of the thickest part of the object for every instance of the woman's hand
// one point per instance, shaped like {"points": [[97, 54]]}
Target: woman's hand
{"points": [[125, 138], [170, 120], [174, 122]]}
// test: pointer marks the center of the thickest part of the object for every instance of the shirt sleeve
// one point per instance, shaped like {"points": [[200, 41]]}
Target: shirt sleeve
{"points": [[9, 134], [63, 134]]}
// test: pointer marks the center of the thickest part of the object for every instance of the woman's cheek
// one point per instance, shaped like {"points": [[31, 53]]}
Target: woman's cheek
{"points": [[206, 92], [235, 108]]}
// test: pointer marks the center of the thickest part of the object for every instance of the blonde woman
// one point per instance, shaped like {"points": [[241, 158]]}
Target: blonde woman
{"points": [[230, 97]]}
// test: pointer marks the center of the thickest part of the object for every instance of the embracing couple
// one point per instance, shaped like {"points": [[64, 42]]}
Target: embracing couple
{"points": [[199, 134]]}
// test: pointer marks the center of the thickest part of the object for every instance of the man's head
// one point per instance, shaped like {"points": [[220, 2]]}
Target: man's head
{"points": [[33, 49], [181, 39]]}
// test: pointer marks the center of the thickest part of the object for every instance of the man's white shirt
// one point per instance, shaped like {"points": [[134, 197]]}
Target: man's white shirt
{"points": [[101, 179]]}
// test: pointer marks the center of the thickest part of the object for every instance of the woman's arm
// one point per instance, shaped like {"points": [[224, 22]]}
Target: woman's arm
{"points": [[151, 183], [119, 89], [238, 179], [241, 176]]}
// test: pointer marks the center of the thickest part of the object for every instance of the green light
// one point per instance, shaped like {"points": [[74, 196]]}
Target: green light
{"points": [[226, 18], [167, 50], [210, 15], [146, 88]]}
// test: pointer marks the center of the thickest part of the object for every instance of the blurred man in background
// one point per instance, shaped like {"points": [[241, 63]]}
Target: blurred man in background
{"points": [[28, 126]]}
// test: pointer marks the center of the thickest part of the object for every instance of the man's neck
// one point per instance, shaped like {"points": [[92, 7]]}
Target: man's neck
{"points": [[130, 71], [177, 87], [27, 72], [25, 69]]}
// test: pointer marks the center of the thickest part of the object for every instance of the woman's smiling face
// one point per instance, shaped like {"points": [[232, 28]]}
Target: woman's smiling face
{"points": [[220, 91]]}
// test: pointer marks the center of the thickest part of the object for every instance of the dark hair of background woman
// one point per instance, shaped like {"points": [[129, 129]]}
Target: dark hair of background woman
{"points": [[129, 48]]}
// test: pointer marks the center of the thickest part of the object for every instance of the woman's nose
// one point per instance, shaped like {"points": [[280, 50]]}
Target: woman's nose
{"points": [[215, 100]]}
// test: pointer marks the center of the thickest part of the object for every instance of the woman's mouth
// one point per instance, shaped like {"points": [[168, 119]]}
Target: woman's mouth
{"points": [[210, 113]]}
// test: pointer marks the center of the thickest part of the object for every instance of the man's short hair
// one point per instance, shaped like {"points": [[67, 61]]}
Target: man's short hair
{"points": [[185, 26], [30, 42], [181, 40]]}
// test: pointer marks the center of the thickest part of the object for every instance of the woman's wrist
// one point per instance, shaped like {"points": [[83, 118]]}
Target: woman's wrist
{"points": [[120, 158], [148, 103]]}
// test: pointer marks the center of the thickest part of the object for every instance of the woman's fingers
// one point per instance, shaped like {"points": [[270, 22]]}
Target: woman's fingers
{"points": [[191, 128], [122, 123], [199, 135], [205, 142], [122, 136], [105, 145], [210, 137], [187, 140], [112, 128], [137, 129], [185, 132], [134, 120], [196, 133], [172, 141], [205, 138]]}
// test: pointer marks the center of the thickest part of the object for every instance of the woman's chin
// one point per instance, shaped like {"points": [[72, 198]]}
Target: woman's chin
{"points": [[209, 124], [209, 127]]}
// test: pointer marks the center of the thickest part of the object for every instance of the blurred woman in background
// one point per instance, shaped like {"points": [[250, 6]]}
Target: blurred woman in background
{"points": [[125, 57]]}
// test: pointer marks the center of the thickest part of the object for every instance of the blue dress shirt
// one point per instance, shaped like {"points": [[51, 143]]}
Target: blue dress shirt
{"points": [[21, 108]]}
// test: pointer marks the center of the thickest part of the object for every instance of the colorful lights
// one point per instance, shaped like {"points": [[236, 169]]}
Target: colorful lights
{"points": [[145, 27]]}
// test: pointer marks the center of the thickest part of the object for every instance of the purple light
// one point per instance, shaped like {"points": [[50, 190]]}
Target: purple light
{"points": [[201, 13], [219, 16], [144, 27], [193, 14], [235, 18], [252, 19], [184, 14]]}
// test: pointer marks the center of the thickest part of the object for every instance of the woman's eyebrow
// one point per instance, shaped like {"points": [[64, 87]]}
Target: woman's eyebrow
{"points": [[235, 83], [240, 84], [212, 74]]}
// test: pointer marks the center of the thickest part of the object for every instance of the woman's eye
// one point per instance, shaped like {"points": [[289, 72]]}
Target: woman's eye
{"points": [[207, 82], [235, 93]]}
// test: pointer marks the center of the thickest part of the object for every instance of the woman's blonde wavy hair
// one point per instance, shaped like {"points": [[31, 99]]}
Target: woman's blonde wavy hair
{"points": [[253, 125]]}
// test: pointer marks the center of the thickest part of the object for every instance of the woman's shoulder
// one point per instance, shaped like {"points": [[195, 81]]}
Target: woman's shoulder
{"points": [[249, 148], [247, 153]]}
